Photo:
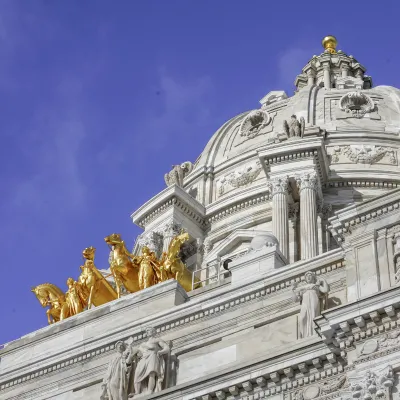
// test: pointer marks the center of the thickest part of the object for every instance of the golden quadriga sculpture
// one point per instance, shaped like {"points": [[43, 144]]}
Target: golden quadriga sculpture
{"points": [[132, 272], [91, 288], [140, 272]]}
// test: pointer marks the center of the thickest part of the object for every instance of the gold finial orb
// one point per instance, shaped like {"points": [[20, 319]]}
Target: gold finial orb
{"points": [[329, 43]]}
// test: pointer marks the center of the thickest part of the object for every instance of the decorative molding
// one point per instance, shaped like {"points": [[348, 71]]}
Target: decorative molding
{"points": [[364, 154], [172, 202], [242, 177], [253, 123], [237, 207], [360, 183]]}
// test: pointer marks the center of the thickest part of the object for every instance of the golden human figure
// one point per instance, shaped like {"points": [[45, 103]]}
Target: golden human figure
{"points": [[74, 297], [149, 268]]}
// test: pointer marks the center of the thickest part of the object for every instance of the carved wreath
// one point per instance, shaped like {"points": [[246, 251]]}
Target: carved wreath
{"points": [[356, 103], [240, 178], [253, 123]]}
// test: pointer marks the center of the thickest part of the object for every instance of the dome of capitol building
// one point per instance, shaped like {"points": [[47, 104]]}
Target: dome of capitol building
{"points": [[336, 125]]}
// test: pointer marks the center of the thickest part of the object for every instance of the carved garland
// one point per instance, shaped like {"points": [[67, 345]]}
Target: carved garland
{"points": [[364, 154]]}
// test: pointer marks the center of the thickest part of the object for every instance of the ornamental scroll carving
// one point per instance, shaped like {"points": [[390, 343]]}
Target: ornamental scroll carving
{"points": [[178, 173], [239, 178], [357, 104], [364, 154], [253, 123], [138, 370]]}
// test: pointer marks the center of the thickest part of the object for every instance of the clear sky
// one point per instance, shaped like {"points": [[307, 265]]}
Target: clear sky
{"points": [[99, 98]]}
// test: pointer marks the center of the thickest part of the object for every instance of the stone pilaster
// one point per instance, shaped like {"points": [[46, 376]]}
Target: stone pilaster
{"points": [[280, 220], [171, 229], [308, 187]]}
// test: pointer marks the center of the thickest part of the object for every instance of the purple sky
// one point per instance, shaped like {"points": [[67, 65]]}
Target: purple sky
{"points": [[100, 98]]}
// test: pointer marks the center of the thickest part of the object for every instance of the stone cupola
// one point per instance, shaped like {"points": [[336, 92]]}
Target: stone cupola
{"points": [[333, 69]]}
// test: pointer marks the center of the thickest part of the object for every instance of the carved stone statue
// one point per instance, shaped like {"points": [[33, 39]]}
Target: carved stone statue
{"points": [[115, 385], [294, 127], [178, 173], [150, 364], [312, 297]]}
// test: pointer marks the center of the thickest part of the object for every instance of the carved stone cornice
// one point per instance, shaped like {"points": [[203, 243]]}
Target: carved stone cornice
{"points": [[349, 218], [173, 197]]}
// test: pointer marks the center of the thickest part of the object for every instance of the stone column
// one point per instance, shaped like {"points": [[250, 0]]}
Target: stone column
{"points": [[345, 70], [310, 76], [171, 229], [327, 75], [280, 220], [308, 185]]}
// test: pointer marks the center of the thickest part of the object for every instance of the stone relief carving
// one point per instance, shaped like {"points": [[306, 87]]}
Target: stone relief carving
{"points": [[318, 390], [313, 296], [364, 154], [253, 123], [294, 128], [324, 209], [136, 370], [357, 104], [387, 340], [374, 385], [242, 177], [178, 173]]}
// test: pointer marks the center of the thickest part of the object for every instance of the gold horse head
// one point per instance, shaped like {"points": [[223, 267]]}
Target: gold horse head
{"points": [[88, 253], [113, 239]]}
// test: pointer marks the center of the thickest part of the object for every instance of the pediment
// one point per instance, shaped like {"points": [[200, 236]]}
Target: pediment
{"points": [[238, 240]]}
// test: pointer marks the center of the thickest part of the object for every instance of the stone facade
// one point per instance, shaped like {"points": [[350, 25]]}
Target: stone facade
{"points": [[293, 211]]}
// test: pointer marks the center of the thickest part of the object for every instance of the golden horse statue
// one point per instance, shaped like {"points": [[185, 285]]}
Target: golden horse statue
{"points": [[50, 295], [96, 288], [174, 267], [124, 271]]}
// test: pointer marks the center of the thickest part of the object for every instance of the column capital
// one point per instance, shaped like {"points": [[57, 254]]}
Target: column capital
{"points": [[172, 229], [278, 185], [308, 180]]}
